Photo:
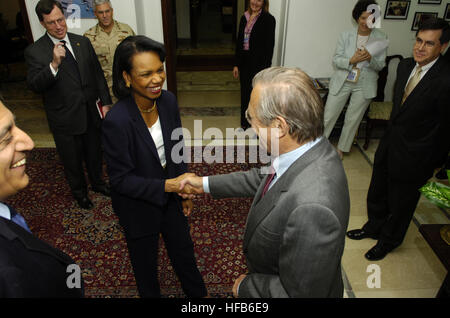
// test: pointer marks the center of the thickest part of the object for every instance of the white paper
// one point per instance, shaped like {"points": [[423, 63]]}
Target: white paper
{"points": [[375, 47]]}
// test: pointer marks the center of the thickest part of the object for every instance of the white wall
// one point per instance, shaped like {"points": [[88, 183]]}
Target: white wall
{"points": [[149, 18], [313, 28]]}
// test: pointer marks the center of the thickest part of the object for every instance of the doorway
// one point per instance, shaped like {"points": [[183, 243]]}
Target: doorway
{"points": [[205, 34]]}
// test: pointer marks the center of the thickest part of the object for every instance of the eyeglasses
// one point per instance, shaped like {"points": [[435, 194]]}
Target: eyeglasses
{"points": [[428, 44]]}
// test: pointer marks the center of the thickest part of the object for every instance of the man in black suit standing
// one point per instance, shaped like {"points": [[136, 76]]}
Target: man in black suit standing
{"points": [[29, 267], [416, 141], [63, 67]]}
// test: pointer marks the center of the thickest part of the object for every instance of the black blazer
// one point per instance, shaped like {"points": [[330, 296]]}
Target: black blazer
{"points": [[29, 267], [136, 176], [262, 41], [66, 99], [418, 136]]}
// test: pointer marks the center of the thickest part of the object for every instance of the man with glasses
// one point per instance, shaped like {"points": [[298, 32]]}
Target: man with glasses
{"points": [[295, 230], [63, 67], [416, 141]]}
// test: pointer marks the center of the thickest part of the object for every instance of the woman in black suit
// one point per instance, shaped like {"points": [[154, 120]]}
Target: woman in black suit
{"points": [[254, 48], [138, 144]]}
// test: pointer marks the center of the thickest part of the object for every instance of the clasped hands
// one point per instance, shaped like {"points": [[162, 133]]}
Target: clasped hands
{"points": [[360, 56], [187, 186]]}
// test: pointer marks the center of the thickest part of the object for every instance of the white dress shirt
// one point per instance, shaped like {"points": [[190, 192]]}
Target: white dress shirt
{"points": [[157, 136], [425, 69]]}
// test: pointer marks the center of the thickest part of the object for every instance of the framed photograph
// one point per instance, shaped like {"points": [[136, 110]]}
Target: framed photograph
{"points": [[421, 16], [430, 1], [447, 13], [397, 10]]}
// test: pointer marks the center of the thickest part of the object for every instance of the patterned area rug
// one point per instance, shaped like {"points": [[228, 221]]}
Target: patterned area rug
{"points": [[95, 240]]}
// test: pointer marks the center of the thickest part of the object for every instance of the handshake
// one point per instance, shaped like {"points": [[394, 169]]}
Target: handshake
{"points": [[186, 185]]}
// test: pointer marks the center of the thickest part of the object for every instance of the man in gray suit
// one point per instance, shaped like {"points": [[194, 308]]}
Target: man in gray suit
{"points": [[295, 231]]}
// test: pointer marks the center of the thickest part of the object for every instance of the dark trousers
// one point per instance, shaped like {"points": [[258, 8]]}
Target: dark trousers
{"points": [[390, 205], [144, 257], [246, 75], [73, 150]]}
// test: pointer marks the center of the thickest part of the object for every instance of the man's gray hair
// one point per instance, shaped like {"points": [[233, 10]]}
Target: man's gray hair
{"points": [[100, 2], [290, 93]]}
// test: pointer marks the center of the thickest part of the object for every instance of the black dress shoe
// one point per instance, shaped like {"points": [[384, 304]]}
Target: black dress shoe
{"points": [[103, 189], [361, 234], [85, 203], [378, 252]]}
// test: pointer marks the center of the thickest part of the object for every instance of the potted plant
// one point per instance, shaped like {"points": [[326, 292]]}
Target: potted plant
{"points": [[439, 194]]}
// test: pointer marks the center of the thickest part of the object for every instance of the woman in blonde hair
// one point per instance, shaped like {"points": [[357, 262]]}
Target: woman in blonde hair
{"points": [[254, 48]]}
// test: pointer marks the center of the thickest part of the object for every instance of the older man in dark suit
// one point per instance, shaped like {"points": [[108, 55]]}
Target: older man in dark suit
{"points": [[63, 67], [416, 142], [28, 266], [295, 231]]}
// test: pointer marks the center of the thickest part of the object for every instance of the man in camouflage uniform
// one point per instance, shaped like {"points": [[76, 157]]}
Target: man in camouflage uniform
{"points": [[105, 37]]}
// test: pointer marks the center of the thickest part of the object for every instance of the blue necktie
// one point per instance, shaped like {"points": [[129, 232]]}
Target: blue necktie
{"points": [[19, 220]]}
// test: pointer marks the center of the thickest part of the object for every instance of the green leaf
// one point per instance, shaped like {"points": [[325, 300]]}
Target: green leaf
{"points": [[437, 193]]}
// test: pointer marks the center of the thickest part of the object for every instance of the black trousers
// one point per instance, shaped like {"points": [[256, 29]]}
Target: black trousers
{"points": [[73, 150], [144, 257], [390, 205]]}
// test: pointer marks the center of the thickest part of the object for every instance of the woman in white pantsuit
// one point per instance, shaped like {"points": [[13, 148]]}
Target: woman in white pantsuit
{"points": [[348, 81]]}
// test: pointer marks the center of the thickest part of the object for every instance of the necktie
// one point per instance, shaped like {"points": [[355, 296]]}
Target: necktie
{"points": [[19, 220], [268, 181], [71, 62], [412, 83], [69, 54]]}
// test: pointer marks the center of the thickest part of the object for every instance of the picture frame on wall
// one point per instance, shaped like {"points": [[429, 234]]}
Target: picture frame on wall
{"points": [[397, 10], [419, 17], [447, 12], [430, 1]]}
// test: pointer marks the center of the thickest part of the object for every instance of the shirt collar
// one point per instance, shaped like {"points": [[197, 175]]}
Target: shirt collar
{"points": [[4, 211], [428, 66], [55, 40], [284, 161]]}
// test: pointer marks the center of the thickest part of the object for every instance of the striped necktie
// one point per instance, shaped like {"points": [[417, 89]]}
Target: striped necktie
{"points": [[268, 181], [412, 83]]}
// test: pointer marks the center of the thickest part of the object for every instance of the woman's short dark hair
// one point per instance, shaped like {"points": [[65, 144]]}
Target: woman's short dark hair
{"points": [[45, 7], [433, 23], [361, 7], [123, 60]]}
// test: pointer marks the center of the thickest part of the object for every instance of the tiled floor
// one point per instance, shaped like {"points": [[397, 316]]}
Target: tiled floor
{"points": [[412, 270]]}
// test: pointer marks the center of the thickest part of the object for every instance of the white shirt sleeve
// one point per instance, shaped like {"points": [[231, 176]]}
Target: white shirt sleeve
{"points": [[53, 71], [206, 185]]}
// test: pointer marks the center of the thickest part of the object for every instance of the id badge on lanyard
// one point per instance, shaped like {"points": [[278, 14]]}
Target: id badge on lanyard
{"points": [[353, 75]]}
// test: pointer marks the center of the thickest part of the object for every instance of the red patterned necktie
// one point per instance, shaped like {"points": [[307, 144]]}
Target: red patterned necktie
{"points": [[268, 181]]}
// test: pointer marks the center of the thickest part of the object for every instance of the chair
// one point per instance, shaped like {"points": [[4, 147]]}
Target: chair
{"points": [[380, 108]]}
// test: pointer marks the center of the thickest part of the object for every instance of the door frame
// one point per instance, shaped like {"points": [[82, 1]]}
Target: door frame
{"points": [[170, 31], [26, 21]]}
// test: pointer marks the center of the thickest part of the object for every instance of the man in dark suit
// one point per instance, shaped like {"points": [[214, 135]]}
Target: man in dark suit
{"points": [[28, 266], [295, 231], [63, 67], [416, 141]]}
